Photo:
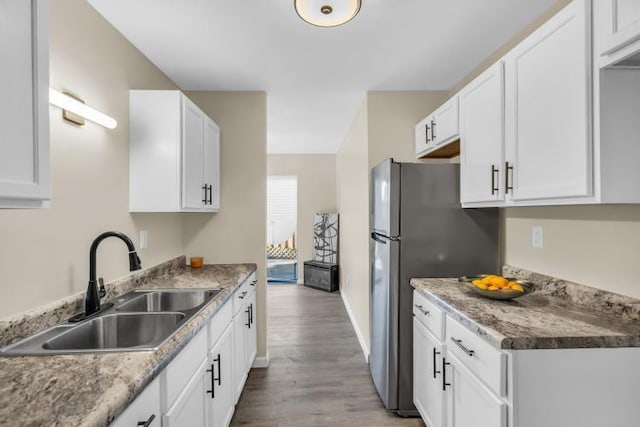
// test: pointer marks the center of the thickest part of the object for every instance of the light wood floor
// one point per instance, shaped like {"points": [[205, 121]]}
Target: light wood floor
{"points": [[317, 375]]}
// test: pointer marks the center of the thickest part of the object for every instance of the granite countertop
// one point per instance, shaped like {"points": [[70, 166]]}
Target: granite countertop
{"points": [[93, 389], [559, 314]]}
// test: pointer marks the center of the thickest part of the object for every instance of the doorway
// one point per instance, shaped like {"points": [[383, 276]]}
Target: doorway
{"points": [[282, 221]]}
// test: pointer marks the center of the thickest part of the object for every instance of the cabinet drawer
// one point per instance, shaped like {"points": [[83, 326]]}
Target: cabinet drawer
{"points": [[484, 361], [146, 408], [429, 314], [251, 283], [181, 369], [219, 323], [240, 297]]}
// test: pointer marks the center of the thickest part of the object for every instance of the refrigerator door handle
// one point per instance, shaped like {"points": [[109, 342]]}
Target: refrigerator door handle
{"points": [[377, 237]]}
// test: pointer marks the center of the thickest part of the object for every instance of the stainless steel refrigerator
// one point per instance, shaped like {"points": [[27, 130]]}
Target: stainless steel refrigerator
{"points": [[418, 230]]}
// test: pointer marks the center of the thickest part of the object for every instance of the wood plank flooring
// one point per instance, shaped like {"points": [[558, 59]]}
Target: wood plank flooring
{"points": [[317, 375]]}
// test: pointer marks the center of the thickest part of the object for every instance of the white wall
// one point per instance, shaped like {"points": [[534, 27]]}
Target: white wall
{"points": [[44, 254], [316, 175]]}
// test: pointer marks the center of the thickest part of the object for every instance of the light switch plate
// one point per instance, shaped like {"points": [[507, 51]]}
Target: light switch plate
{"points": [[144, 239], [537, 237]]}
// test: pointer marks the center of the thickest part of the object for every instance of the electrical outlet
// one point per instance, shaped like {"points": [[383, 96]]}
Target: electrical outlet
{"points": [[537, 237], [144, 239]]}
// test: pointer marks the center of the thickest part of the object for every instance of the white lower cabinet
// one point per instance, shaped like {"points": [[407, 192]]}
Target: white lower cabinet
{"points": [[221, 379], [189, 408], [427, 373], [144, 411], [469, 401], [201, 386]]}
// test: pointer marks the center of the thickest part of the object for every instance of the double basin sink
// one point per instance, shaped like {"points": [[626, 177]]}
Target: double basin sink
{"points": [[139, 320]]}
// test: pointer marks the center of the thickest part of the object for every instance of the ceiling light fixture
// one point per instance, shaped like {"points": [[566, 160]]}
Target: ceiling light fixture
{"points": [[73, 107], [327, 13]]}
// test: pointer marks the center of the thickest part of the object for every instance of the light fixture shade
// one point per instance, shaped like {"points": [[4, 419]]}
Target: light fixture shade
{"points": [[67, 103], [327, 13]]}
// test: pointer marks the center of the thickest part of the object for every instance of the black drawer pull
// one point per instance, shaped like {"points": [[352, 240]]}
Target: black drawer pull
{"points": [[244, 294], [427, 133], [422, 310], [219, 379], [469, 353], [433, 130], [253, 283], [148, 422], [508, 187], [204, 187]]}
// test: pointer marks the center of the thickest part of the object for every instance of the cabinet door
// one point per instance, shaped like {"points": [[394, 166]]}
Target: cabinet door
{"points": [[24, 113], [211, 164], [444, 124], [251, 333], [428, 395], [221, 380], [193, 191], [145, 409], [189, 408], [548, 114], [239, 352], [422, 137], [619, 24], [468, 400], [482, 137]]}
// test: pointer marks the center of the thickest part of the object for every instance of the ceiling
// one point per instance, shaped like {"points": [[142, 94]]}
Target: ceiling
{"points": [[315, 78]]}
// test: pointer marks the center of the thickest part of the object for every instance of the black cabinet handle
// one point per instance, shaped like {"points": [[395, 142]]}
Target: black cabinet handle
{"points": [[251, 314], [435, 369], [444, 374], [248, 324], [508, 187], [148, 422], [219, 379], [433, 130], [204, 187], [213, 380], [494, 172], [211, 194], [244, 294], [469, 353], [426, 127], [253, 283]]}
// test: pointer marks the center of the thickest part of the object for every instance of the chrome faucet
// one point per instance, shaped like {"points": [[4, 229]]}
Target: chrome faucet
{"points": [[92, 299]]}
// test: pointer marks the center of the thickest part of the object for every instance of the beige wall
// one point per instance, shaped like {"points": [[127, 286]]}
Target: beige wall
{"points": [[392, 119], [238, 232], [44, 254], [316, 193], [352, 171], [594, 245], [382, 128]]}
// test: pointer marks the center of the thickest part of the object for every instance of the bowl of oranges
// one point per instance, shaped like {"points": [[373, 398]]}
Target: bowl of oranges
{"points": [[497, 287]]}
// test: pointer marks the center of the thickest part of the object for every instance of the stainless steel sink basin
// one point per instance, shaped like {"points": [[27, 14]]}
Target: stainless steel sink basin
{"points": [[174, 300], [138, 321], [118, 331]]}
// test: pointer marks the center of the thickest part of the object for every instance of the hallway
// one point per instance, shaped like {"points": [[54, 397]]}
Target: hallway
{"points": [[317, 375]]}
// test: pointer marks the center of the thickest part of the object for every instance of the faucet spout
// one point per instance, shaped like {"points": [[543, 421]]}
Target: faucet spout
{"points": [[92, 299]]}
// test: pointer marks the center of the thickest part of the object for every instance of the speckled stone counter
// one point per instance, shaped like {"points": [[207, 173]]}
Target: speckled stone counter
{"points": [[559, 314], [93, 389]]}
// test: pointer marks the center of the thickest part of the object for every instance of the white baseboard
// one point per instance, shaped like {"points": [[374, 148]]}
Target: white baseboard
{"points": [[261, 362], [363, 343]]}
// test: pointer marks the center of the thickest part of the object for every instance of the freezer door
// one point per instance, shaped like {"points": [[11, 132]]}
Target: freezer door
{"points": [[383, 359], [385, 198]]}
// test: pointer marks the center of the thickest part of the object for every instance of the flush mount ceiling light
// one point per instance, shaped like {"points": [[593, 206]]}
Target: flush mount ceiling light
{"points": [[74, 110], [327, 13]]}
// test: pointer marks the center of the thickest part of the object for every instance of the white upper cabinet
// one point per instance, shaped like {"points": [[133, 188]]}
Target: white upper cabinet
{"points": [[24, 113], [548, 110], [438, 129], [174, 154], [482, 137], [618, 28]]}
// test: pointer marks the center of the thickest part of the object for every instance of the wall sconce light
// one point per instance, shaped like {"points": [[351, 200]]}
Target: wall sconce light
{"points": [[327, 13], [75, 110]]}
